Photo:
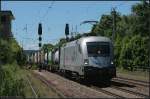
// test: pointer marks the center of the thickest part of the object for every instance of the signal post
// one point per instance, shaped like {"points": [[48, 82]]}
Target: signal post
{"points": [[40, 45]]}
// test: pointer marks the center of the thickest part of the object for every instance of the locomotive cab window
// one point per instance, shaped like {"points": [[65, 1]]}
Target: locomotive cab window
{"points": [[98, 49]]}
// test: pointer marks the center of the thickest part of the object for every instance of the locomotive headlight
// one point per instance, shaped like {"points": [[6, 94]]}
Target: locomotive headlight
{"points": [[112, 63], [86, 61]]}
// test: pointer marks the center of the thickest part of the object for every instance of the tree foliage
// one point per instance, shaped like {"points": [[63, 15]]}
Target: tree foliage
{"points": [[10, 51], [47, 46]]}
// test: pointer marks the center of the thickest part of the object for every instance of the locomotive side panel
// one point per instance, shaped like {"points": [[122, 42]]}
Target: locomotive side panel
{"points": [[71, 58], [62, 59]]}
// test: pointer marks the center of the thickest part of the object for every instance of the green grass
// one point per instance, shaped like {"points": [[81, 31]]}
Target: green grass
{"points": [[11, 80], [34, 66], [141, 75]]}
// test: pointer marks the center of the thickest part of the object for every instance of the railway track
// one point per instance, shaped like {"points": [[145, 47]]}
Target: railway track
{"points": [[107, 92], [32, 88], [140, 81], [49, 85], [129, 91], [131, 82], [125, 90]]}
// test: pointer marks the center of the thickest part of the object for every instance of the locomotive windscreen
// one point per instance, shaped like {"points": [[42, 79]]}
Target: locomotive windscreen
{"points": [[96, 49]]}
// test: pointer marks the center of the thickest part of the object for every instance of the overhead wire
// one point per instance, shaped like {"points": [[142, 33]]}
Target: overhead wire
{"points": [[46, 12], [25, 28], [120, 4], [48, 8], [115, 7]]}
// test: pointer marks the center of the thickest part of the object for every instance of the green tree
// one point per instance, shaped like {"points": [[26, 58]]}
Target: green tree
{"points": [[6, 53], [140, 24], [104, 26], [134, 53], [48, 46], [21, 57]]}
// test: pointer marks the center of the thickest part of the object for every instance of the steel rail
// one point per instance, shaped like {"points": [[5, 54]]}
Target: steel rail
{"points": [[50, 86], [33, 90], [107, 92], [140, 81], [130, 82], [131, 92]]}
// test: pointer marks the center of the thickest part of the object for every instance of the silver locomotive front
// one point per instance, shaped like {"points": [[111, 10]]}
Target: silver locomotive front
{"points": [[98, 58]]}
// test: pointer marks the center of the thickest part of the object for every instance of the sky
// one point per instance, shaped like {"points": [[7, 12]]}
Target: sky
{"points": [[54, 15]]}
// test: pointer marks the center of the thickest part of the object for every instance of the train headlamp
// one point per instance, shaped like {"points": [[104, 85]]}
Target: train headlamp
{"points": [[112, 62], [86, 61]]}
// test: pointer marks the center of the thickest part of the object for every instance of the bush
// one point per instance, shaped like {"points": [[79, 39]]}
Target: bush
{"points": [[134, 53], [11, 80], [21, 58], [6, 54]]}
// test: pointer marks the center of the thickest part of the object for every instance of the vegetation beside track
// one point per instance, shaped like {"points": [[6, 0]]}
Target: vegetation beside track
{"points": [[12, 60], [11, 80], [138, 75]]}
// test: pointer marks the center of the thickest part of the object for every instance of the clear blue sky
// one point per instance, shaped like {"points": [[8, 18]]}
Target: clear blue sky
{"points": [[54, 15]]}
